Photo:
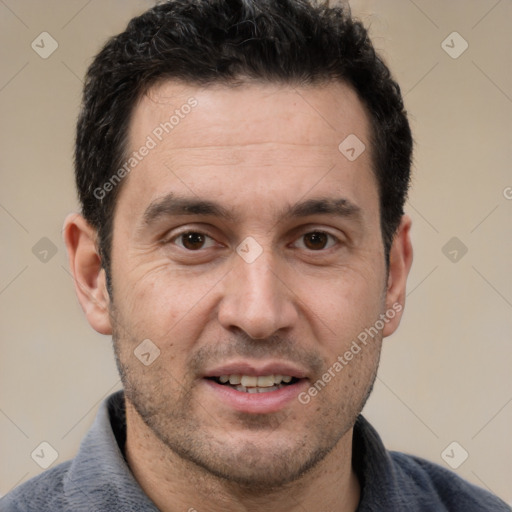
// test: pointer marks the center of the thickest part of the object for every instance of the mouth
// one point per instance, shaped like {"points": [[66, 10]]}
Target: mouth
{"points": [[255, 389], [254, 383]]}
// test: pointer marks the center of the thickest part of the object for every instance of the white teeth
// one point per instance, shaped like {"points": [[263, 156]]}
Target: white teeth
{"points": [[258, 390], [266, 390], [252, 381], [265, 381], [235, 379], [249, 381]]}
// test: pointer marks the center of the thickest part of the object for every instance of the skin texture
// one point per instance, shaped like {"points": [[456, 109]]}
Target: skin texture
{"points": [[256, 150]]}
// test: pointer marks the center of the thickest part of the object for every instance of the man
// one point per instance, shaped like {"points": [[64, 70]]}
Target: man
{"points": [[242, 167]]}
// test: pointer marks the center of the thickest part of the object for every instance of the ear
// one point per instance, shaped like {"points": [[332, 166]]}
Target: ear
{"points": [[400, 261], [88, 274]]}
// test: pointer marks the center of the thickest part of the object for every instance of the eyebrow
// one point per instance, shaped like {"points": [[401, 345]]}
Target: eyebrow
{"points": [[324, 206], [173, 205]]}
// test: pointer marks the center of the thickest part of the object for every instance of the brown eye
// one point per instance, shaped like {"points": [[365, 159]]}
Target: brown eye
{"points": [[316, 240], [193, 241]]}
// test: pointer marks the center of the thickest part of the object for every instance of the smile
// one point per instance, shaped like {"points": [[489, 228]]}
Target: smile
{"points": [[255, 384]]}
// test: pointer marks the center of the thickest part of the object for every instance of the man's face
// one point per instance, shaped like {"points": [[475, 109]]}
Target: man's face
{"points": [[257, 161]]}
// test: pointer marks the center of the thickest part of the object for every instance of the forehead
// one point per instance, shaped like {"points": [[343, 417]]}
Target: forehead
{"points": [[330, 99], [318, 115], [276, 140]]}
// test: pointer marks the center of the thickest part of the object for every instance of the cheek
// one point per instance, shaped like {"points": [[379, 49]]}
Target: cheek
{"points": [[165, 305], [345, 303]]}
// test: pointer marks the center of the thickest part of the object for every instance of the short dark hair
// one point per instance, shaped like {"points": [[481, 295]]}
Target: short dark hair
{"points": [[202, 42]]}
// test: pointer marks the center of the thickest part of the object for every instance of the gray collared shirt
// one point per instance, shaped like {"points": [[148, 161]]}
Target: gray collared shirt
{"points": [[98, 479]]}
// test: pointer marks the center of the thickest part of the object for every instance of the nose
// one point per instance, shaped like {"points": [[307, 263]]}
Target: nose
{"points": [[257, 299]]}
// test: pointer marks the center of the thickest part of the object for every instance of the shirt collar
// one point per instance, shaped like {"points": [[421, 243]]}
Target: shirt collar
{"points": [[100, 479]]}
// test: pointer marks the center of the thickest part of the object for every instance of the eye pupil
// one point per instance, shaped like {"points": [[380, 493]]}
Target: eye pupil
{"points": [[193, 241], [315, 240]]}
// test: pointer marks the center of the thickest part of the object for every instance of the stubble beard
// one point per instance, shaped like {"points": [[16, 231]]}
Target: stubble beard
{"points": [[270, 462]]}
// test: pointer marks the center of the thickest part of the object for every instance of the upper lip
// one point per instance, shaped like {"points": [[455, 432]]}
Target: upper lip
{"points": [[257, 370]]}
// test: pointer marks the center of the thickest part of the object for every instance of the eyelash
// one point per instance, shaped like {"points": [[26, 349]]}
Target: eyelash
{"points": [[176, 237], [319, 231], [316, 231]]}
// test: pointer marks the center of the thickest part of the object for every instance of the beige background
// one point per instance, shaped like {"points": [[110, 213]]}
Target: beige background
{"points": [[445, 376]]}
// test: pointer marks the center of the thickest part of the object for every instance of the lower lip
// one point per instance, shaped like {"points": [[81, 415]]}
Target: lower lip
{"points": [[256, 403]]}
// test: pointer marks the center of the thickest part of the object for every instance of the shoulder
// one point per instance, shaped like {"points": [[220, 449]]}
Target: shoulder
{"points": [[397, 482], [44, 493], [419, 476]]}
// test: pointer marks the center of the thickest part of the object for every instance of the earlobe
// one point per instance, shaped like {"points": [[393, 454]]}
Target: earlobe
{"points": [[89, 276], [400, 261]]}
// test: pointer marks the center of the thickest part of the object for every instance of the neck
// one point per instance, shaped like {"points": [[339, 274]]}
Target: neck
{"points": [[175, 484]]}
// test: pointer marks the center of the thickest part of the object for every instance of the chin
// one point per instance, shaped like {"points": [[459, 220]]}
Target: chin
{"points": [[252, 465]]}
